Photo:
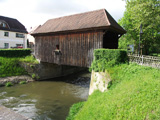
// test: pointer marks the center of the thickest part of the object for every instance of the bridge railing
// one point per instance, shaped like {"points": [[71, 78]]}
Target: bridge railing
{"points": [[146, 60]]}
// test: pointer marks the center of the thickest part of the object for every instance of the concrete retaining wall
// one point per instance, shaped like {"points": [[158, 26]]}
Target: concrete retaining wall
{"points": [[44, 70], [99, 81]]}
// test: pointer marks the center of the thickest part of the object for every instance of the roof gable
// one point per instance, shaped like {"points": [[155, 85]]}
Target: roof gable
{"points": [[13, 25], [88, 20]]}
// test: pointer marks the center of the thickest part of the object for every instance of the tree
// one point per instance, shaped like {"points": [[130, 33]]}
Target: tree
{"points": [[130, 37], [147, 13], [27, 43]]}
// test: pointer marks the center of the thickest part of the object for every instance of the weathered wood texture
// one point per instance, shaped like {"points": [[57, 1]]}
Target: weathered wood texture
{"points": [[76, 49]]}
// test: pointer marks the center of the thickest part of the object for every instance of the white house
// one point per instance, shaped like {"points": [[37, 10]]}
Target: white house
{"points": [[29, 36], [12, 33]]}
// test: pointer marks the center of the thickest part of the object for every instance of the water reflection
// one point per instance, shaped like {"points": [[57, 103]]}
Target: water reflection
{"points": [[49, 100]]}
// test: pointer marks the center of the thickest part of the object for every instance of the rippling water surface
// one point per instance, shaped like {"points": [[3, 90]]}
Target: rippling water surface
{"points": [[47, 100]]}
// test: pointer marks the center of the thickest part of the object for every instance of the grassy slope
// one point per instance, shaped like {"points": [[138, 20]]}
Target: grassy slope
{"points": [[134, 95], [11, 67]]}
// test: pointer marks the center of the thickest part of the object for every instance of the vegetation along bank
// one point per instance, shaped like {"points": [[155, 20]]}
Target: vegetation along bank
{"points": [[133, 93], [10, 65]]}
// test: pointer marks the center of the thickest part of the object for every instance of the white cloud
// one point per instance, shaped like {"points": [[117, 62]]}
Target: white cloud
{"points": [[58, 8], [114, 7]]}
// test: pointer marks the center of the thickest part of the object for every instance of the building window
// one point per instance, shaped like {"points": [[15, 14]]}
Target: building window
{"points": [[18, 35], [6, 34], [6, 45], [57, 47], [57, 51], [3, 24]]}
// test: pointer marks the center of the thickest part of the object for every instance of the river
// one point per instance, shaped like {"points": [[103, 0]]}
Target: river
{"points": [[46, 100]]}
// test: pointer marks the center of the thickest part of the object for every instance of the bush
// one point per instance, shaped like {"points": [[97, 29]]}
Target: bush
{"points": [[34, 76], [104, 58], [10, 67], [29, 59], [8, 84], [14, 52], [22, 82]]}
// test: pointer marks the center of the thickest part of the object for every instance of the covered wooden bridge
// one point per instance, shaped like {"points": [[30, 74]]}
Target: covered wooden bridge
{"points": [[70, 40]]}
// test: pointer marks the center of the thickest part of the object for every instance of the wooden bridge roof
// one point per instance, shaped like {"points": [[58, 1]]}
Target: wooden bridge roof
{"points": [[99, 19]]}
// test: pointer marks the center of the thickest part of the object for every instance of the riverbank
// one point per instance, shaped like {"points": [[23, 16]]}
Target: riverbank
{"points": [[11, 66], [133, 94], [15, 79], [11, 70]]}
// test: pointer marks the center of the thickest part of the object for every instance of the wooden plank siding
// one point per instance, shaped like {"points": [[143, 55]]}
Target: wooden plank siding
{"points": [[76, 48]]}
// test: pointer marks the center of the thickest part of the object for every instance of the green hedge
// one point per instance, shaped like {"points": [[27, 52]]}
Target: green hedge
{"points": [[14, 52], [104, 58]]}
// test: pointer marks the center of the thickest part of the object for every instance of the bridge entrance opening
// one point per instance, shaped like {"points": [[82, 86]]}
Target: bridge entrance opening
{"points": [[110, 40]]}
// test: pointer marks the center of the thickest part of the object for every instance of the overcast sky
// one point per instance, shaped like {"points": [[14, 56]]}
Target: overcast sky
{"points": [[35, 12]]}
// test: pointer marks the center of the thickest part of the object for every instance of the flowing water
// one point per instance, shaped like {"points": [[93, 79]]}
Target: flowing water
{"points": [[46, 100]]}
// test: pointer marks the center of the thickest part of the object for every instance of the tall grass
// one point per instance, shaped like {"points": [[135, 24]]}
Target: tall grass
{"points": [[133, 95], [29, 59], [10, 66]]}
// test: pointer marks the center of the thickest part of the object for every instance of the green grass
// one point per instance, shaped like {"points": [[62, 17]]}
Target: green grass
{"points": [[10, 66], [29, 59], [133, 95], [75, 109]]}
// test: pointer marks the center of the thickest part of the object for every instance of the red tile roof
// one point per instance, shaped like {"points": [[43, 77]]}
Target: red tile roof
{"points": [[89, 20]]}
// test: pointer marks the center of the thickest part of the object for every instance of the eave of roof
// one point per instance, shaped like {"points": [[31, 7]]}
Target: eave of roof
{"points": [[99, 19]]}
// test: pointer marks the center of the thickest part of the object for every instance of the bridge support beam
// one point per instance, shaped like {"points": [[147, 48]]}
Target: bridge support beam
{"points": [[43, 70]]}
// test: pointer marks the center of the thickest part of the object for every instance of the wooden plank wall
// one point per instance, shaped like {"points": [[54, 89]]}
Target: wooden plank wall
{"points": [[76, 48]]}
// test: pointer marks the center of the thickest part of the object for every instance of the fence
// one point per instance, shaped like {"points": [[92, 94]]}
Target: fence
{"points": [[145, 60]]}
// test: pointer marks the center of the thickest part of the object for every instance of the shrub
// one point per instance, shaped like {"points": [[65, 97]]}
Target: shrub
{"points": [[104, 58], [29, 59], [14, 52], [8, 84], [33, 76], [22, 82], [10, 67]]}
